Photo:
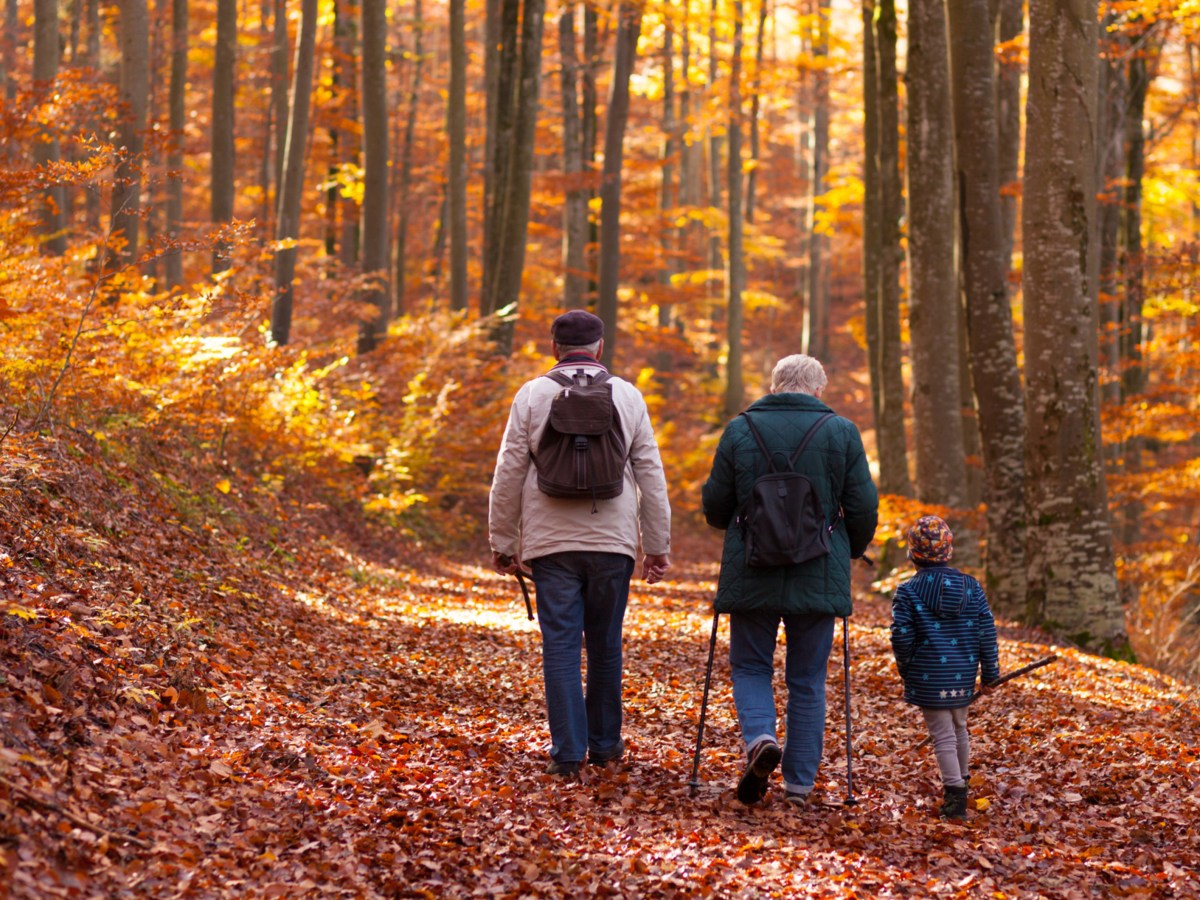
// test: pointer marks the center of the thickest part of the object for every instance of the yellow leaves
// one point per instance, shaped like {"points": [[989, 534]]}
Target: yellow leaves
{"points": [[21, 612], [224, 486]]}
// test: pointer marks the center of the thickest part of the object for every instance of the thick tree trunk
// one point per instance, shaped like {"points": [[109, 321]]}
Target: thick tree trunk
{"points": [[135, 94], [816, 311], [287, 219], [223, 100], [456, 178], [993, 355], [575, 210], [933, 278], [177, 115], [46, 147], [629, 27], [1072, 585], [376, 241], [735, 278], [892, 445], [403, 190]]}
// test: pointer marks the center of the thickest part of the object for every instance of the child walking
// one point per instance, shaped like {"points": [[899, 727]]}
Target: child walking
{"points": [[943, 633]]}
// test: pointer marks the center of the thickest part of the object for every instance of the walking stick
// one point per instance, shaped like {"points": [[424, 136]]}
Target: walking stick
{"points": [[849, 801], [525, 591], [694, 784], [1016, 673]]}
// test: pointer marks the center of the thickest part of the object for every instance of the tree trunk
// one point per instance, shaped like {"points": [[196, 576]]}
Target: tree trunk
{"points": [[1009, 22], [279, 91], [1072, 585], [1111, 166], [456, 178], [735, 279], [755, 111], [872, 226], [518, 77], [406, 160], [575, 209], [714, 143], [893, 450], [291, 189], [135, 93], [667, 199], [629, 27], [932, 275], [993, 356], [12, 25], [177, 115], [816, 311], [223, 100], [45, 147], [376, 241]]}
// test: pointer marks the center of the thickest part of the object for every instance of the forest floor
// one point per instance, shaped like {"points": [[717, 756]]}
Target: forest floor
{"points": [[216, 685]]}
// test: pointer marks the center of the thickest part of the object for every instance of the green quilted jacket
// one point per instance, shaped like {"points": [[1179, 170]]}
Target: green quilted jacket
{"points": [[835, 463]]}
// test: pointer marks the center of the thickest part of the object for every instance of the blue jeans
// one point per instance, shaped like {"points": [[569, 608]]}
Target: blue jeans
{"points": [[581, 598], [751, 657]]}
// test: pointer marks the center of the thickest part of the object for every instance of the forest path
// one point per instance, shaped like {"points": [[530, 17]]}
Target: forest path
{"points": [[267, 711]]}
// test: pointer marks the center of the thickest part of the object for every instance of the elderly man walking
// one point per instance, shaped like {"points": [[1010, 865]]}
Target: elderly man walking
{"points": [[805, 596], [581, 549]]}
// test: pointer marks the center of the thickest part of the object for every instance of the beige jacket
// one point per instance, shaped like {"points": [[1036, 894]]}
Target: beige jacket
{"points": [[524, 522]]}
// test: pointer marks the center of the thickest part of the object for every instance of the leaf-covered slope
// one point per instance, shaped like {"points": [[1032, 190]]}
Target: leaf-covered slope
{"points": [[211, 693]]}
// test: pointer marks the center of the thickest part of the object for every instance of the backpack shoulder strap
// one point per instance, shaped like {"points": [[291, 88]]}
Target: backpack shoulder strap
{"points": [[808, 436], [568, 381], [758, 439]]}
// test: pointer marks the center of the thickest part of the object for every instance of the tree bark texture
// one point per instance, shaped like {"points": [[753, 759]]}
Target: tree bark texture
{"points": [[223, 100], [575, 204], [933, 294], [456, 180], [735, 279], [287, 219], [629, 27], [46, 146], [1072, 585], [177, 115], [993, 355], [376, 239], [889, 433], [135, 94]]}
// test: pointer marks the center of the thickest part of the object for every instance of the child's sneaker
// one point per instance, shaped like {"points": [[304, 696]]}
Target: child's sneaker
{"points": [[763, 759]]}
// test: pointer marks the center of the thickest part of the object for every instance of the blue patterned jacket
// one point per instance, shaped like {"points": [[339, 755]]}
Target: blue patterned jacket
{"points": [[943, 633]]}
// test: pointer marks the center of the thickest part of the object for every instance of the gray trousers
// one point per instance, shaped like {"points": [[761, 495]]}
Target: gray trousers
{"points": [[951, 743]]}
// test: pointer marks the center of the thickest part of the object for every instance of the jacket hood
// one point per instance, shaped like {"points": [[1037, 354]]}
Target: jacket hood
{"points": [[943, 591]]}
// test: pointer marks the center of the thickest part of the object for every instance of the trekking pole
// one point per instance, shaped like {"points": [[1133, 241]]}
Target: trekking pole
{"points": [[694, 784], [849, 801]]}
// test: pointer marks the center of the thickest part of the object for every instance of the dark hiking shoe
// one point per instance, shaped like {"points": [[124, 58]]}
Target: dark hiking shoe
{"points": [[954, 804], [603, 759], [798, 799], [762, 762], [563, 769]]}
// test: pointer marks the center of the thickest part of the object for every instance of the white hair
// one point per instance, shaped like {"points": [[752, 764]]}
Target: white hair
{"points": [[798, 374], [592, 348]]}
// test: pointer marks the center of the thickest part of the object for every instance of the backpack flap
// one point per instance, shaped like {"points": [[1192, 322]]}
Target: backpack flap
{"points": [[583, 409]]}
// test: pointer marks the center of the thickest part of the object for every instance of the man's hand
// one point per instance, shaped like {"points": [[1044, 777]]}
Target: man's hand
{"points": [[655, 566], [506, 565]]}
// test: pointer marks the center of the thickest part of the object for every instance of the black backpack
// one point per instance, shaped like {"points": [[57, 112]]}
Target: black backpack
{"points": [[782, 522], [581, 454]]}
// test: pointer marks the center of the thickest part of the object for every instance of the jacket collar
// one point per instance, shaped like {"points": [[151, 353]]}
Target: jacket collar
{"points": [[790, 400], [578, 359]]}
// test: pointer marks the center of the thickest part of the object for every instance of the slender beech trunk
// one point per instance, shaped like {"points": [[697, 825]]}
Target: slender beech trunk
{"points": [[223, 150], [893, 450], [404, 187], [575, 210], [816, 311], [279, 91], [135, 92], [667, 197], [715, 262], [177, 122], [1072, 585], [735, 278], [629, 27], [291, 188], [376, 241], [12, 25], [456, 178], [872, 226], [46, 148], [993, 354], [932, 275], [1110, 163], [1008, 22], [755, 112]]}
